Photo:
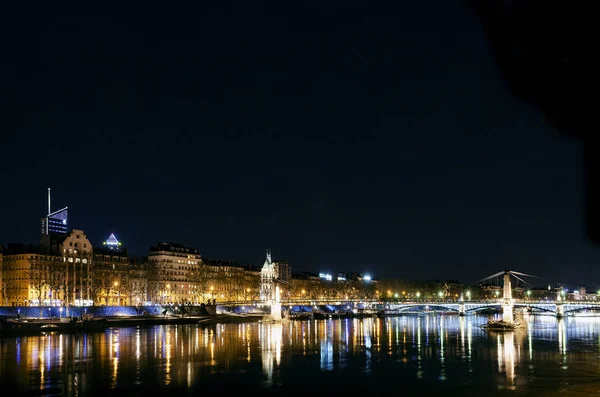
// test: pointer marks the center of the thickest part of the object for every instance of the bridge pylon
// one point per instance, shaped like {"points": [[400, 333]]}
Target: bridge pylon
{"points": [[507, 302]]}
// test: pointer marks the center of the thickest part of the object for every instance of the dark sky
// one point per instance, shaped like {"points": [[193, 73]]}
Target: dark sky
{"points": [[345, 137]]}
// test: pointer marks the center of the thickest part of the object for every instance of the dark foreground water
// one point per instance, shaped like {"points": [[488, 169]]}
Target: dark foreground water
{"points": [[401, 355]]}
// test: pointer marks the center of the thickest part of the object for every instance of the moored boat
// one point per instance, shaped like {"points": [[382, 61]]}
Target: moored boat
{"points": [[16, 326], [35, 325]]}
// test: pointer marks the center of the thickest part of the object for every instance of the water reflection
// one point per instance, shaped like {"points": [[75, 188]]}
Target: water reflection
{"points": [[270, 344], [430, 351]]}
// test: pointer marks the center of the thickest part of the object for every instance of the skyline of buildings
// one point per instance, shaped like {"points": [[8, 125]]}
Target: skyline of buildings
{"points": [[55, 226], [66, 268]]}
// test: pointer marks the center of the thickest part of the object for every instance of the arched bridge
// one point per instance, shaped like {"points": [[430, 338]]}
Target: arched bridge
{"points": [[557, 307]]}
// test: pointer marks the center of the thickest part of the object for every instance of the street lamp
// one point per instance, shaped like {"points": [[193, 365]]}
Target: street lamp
{"points": [[528, 294], [441, 294], [418, 294], [468, 295]]}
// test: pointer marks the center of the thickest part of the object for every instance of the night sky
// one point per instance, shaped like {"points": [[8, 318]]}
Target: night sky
{"points": [[345, 137]]}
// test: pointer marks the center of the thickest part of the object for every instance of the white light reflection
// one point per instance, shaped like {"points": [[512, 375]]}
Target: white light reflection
{"points": [[168, 355], [530, 342], [509, 359], [189, 374], [462, 337], [271, 336], [114, 354], [562, 340], [60, 352], [41, 357], [367, 323], [137, 355], [326, 349], [442, 365]]}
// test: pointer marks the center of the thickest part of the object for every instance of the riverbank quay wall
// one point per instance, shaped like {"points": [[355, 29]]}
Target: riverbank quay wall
{"points": [[104, 311]]}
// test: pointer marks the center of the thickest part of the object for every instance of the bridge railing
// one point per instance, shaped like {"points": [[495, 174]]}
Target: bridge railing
{"points": [[416, 301]]}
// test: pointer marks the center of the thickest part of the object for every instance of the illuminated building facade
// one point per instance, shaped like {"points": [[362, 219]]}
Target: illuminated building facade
{"points": [[175, 273], [77, 254], [112, 283], [268, 274], [228, 281], [28, 277], [2, 294]]}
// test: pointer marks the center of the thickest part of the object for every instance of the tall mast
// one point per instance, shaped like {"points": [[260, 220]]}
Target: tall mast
{"points": [[49, 211]]}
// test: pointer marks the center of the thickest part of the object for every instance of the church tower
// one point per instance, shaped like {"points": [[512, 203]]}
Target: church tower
{"points": [[268, 275]]}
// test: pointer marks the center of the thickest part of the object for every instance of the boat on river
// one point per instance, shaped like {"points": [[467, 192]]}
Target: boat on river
{"points": [[18, 325]]}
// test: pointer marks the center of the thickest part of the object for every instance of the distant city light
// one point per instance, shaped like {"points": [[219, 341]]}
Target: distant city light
{"points": [[325, 276], [367, 278]]}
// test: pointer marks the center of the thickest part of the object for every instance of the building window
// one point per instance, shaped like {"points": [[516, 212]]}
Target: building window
{"points": [[71, 243], [78, 236]]}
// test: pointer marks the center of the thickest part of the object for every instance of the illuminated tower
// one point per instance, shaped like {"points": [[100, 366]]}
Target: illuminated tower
{"points": [[53, 227], [112, 244], [268, 275]]}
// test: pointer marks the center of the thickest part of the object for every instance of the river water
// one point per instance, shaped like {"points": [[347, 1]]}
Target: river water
{"points": [[409, 355]]}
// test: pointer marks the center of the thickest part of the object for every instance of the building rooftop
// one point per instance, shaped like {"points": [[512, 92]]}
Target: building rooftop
{"points": [[174, 247]]}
